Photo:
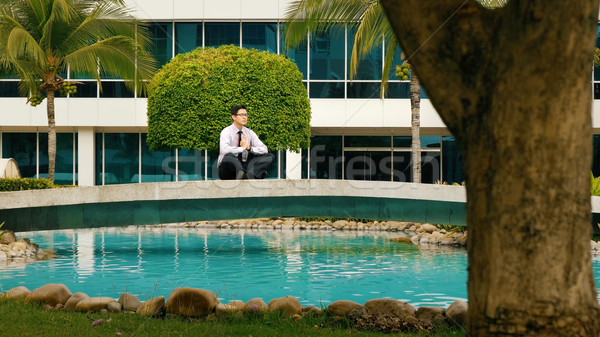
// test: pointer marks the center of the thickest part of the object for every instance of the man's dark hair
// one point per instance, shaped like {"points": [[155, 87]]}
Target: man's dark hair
{"points": [[235, 109]]}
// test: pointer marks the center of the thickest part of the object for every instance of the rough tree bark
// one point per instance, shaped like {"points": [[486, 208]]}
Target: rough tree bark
{"points": [[415, 109], [513, 87]]}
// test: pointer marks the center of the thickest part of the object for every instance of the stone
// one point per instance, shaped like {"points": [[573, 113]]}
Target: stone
{"points": [[429, 228], [7, 237], [256, 305], [311, 310], [223, 310], [151, 307], [129, 302], [427, 314], [342, 307], [104, 311], [403, 239], [18, 292], [71, 304], [93, 304], [288, 304], [52, 294], [414, 239], [238, 305], [18, 246], [457, 312], [191, 302], [296, 317], [386, 306], [114, 307]]}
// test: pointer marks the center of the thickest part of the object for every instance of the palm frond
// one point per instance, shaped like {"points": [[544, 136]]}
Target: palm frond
{"points": [[310, 16], [369, 34], [21, 45]]}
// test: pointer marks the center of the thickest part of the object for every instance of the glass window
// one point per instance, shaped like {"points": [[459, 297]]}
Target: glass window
{"points": [[121, 158], [368, 165], [371, 65], [98, 157], [596, 90], [430, 167], [326, 157], [9, 89], [282, 163], [188, 36], [452, 168], [157, 165], [402, 166], [398, 90], [212, 167], [327, 55], [22, 147], [326, 89], [304, 170], [364, 89], [430, 141], [86, 89], [221, 33], [367, 141], [272, 171], [297, 54], [191, 165], [161, 36], [115, 90], [402, 141], [261, 36], [63, 169]]}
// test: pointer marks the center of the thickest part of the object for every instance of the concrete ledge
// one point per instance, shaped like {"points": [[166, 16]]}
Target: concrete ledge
{"points": [[169, 202], [229, 189]]}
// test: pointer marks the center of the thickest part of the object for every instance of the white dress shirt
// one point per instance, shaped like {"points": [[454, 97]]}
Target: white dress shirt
{"points": [[229, 143]]}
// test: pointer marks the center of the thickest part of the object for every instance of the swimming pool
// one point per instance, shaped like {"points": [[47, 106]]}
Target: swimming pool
{"points": [[318, 267]]}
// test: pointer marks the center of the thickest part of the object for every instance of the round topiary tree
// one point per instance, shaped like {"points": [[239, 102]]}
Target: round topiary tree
{"points": [[191, 97]]}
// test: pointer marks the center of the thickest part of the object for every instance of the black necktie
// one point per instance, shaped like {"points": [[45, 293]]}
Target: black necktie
{"points": [[239, 144]]}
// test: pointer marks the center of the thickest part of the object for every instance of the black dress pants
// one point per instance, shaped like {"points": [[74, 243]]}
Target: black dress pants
{"points": [[255, 167]]}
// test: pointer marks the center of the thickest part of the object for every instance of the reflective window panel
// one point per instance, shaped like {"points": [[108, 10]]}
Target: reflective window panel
{"points": [[22, 147], [188, 36], [297, 54], [161, 36], [371, 65], [452, 168], [326, 89], [368, 165], [121, 158], [221, 33], [157, 165], [261, 36], [327, 55], [191, 165], [326, 157]]}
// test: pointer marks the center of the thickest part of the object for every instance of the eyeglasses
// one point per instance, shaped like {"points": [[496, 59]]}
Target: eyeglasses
{"points": [[242, 115]]}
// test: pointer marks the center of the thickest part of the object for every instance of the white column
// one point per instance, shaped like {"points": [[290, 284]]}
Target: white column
{"points": [[293, 165], [85, 152]]}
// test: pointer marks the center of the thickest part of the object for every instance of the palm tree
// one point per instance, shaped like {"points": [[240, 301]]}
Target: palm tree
{"points": [[41, 39], [311, 16]]}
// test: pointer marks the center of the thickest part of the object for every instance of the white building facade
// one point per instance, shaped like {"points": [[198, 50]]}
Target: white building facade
{"points": [[356, 133]]}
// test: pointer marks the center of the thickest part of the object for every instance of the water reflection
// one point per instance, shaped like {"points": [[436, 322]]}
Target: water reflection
{"points": [[317, 267]]}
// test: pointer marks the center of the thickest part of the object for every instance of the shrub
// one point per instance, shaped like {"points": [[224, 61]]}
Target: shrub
{"points": [[21, 184], [191, 98], [595, 185]]}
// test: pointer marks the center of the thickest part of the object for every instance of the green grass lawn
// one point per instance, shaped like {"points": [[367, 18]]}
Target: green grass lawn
{"points": [[24, 319]]}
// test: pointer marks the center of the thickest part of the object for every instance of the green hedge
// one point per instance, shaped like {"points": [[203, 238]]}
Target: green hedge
{"points": [[191, 98], [21, 184]]}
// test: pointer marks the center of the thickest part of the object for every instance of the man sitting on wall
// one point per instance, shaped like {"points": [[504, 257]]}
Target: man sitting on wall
{"points": [[241, 154]]}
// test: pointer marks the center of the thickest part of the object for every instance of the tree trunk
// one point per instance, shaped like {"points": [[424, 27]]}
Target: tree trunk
{"points": [[415, 109], [51, 134], [513, 87]]}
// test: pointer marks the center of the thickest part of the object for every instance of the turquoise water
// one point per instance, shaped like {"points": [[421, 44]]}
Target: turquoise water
{"points": [[317, 267]]}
